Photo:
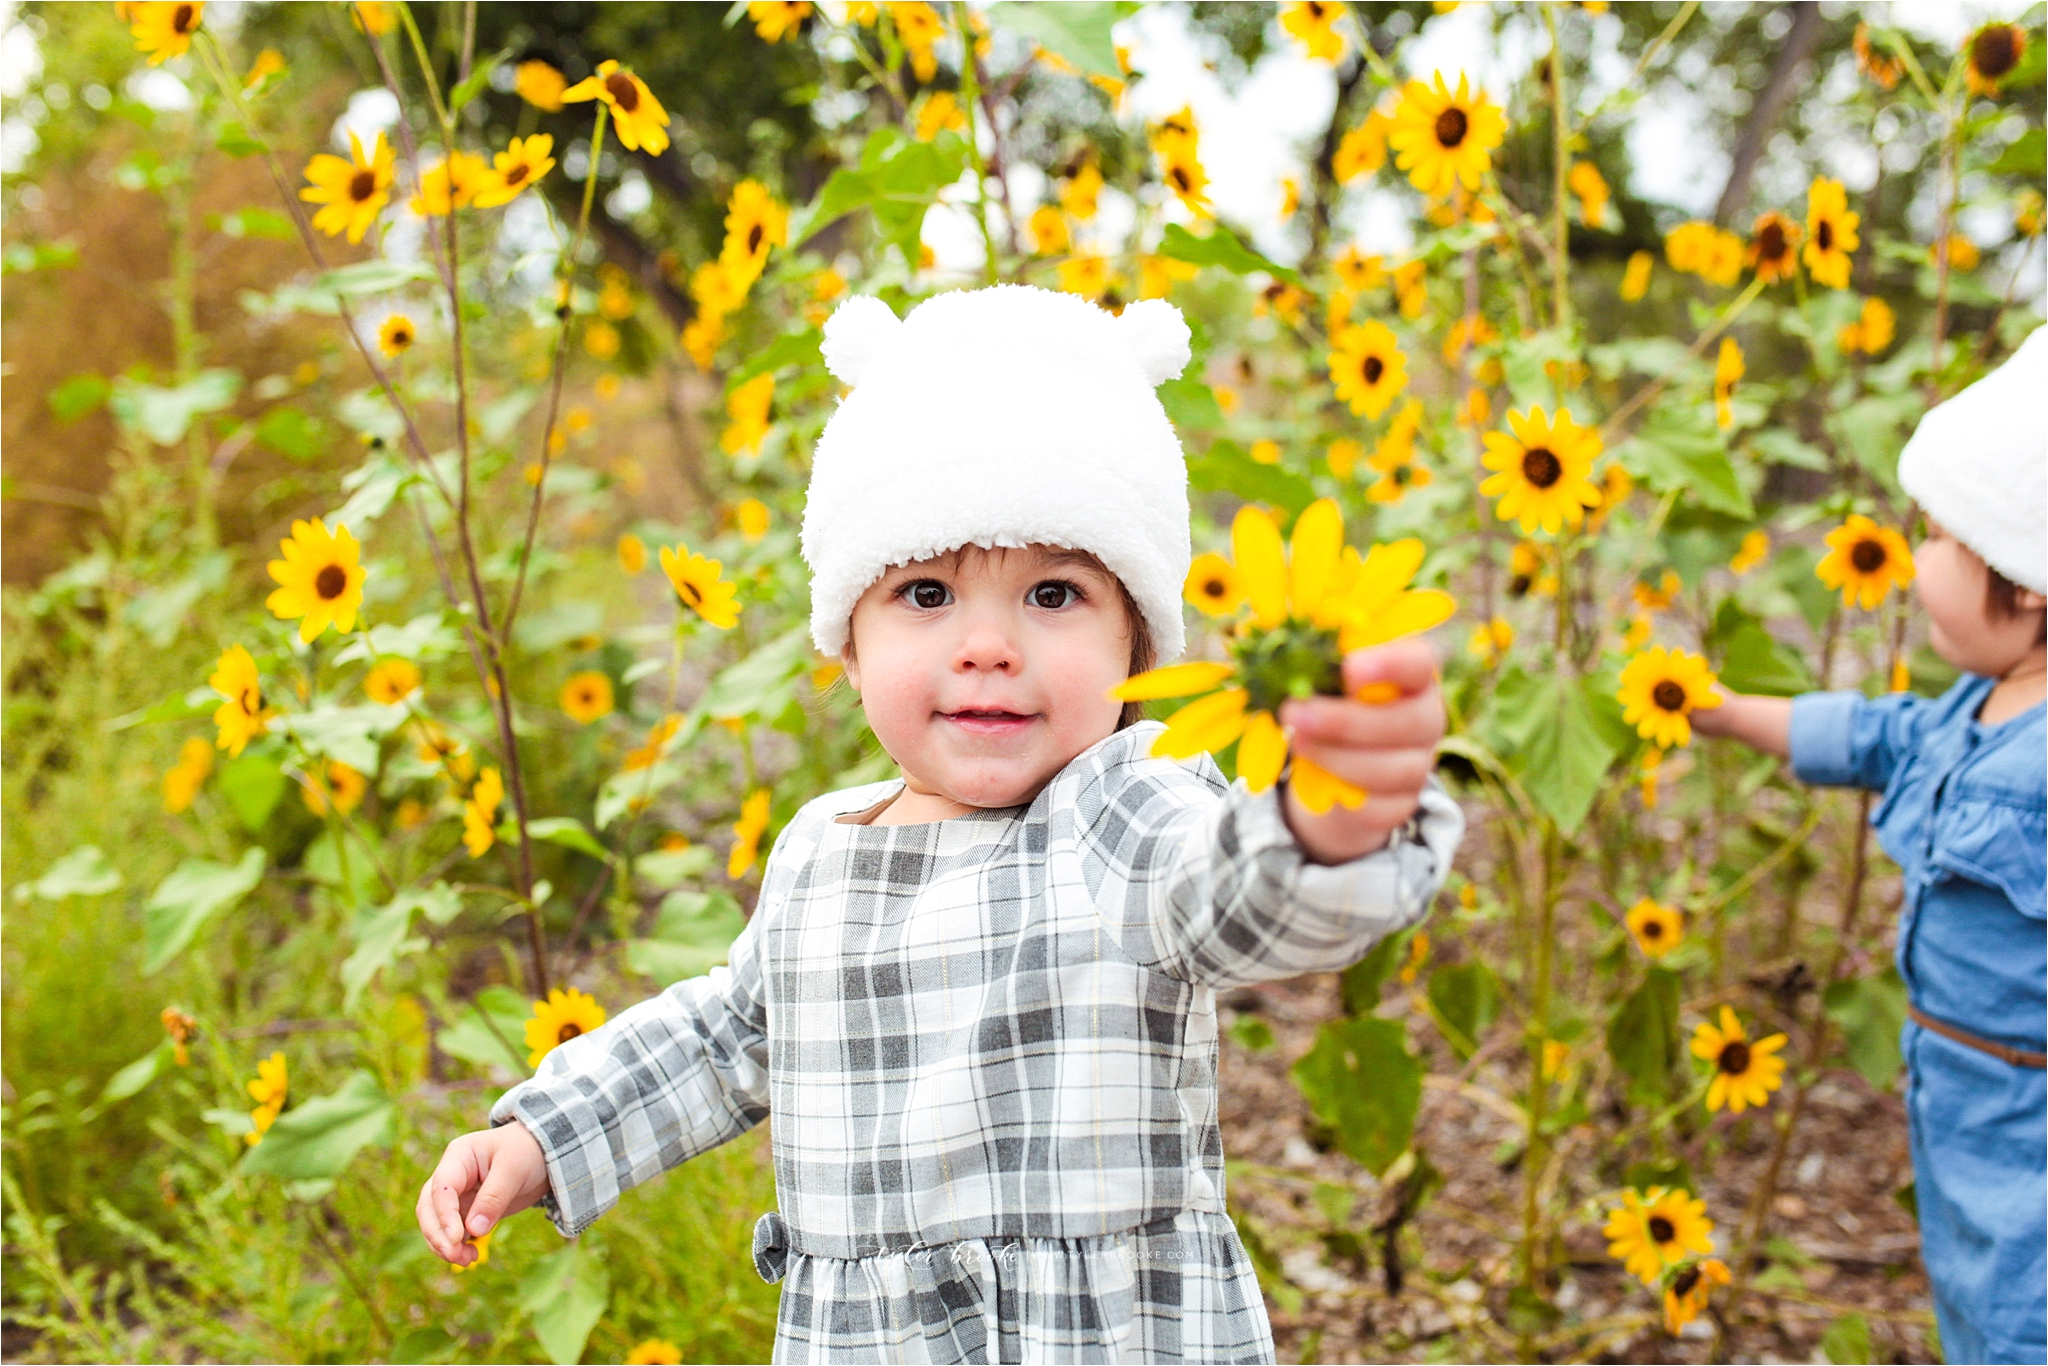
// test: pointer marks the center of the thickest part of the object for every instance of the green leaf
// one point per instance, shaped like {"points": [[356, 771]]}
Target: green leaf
{"points": [[1873, 430], [1252, 1033], [381, 940], [692, 935], [293, 432], [426, 636], [1361, 1080], [22, 257], [375, 276], [258, 223], [479, 80], [804, 349], [235, 140], [315, 1141], [1361, 982], [1078, 32], [79, 395], [164, 415], [1225, 468], [1190, 405], [2026, 155], [1642, 1037], [1847, 1340], [472, 1040], [1870, 1012], [566, 1293], [1221, 247], [1525, 360], [1752, 660], [668, 867], [182, 707], [84, 871], [159, 613], [1565, 745], [138, 1074], [1467, 999], [195, 892], [563, 830], [252, 785], [348, 734], [1679, 447], [761, 684]]}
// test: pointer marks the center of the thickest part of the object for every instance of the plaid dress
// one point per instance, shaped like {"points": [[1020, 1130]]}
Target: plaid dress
{"points": [[989, 1044]]}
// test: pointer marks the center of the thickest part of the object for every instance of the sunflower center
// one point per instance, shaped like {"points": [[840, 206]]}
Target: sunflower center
{"points": [[1374, 368], [1770, 243], [623, 92], [1451, 127], [1401, 475], [753, 239], [331, 582], [362, 185], [182, 19], [569, 1030], [1519, 585], [1180, 179], [1687, 1279], [1292, 660], [517, 175], [1669, 695], [1824, 235], [251, 701], [1652, 930], [1994, 51], [1661, 1230], [1541, 467], [1315, 11], [1734, 1059], [1868, 557], [1214, 588], [689, 594]]}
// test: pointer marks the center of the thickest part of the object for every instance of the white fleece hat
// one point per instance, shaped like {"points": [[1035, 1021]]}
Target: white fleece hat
{"points": [[1978, 464], [1000, 417]]}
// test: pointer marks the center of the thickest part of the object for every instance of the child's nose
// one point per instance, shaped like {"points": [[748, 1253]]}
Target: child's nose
{"points": [[986, 646]]}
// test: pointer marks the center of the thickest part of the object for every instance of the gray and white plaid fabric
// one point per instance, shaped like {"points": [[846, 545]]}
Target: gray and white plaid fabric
{"points": [[989, 1045]]}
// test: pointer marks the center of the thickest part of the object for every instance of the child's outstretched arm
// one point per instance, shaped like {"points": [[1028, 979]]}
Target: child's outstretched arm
{"points": [[1834, 739], [1762, 723], [481, 1178]]}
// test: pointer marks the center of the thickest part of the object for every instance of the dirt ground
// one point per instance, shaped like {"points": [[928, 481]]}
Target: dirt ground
{"points": [[1847, 1245]]}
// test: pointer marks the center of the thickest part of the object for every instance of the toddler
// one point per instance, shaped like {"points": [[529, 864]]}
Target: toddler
{"points": [[980, 1000], [1965, 816]]}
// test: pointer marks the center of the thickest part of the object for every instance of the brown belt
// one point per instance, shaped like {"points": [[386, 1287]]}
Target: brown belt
{"points": [[2018, 1057]]}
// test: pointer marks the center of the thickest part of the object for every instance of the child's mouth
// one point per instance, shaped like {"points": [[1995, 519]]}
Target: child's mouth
{"points": [[989, 722]]}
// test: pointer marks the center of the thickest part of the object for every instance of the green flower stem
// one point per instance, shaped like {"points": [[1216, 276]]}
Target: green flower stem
{"points": [[1560, 256], [1657, 45], [970, 90], [1535, 1147], [1612, 427]]}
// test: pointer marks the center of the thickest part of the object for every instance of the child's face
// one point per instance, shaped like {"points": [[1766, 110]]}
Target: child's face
{"points": [[983, 672], [1951, 580]]}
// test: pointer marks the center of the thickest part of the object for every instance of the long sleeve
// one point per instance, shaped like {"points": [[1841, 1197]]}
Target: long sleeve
{"points": [[1844, 739], [671, 1077], [1210, 886]]}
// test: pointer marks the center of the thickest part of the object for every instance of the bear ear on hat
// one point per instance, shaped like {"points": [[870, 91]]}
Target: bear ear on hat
{"points": [[855, 334], [1157, 336]]}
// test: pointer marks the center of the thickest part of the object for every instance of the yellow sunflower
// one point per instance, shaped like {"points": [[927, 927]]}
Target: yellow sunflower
{"points": [[1865, 561], [1635, 279], [1079, 194], [1213, 585], [482, 1243], [1754, 550], [1362, 150], [183, 779], [1728, 368], [1368, 367], [539, 84], [1660, 689], [1656, 1228], [162, 30], [1394, 457], [752, 518], [1182, 171], [268, 1090], [1655, 597], [1441, 138], [1658, 929], [774, 19], [1049, 233], [1883, 71], [1616, 484], [1774, 247], [632, 553], [755, 224], [1543, 470], [1685, 1299], [587, 696], [523, 162], [480, 813], [448, 185], [699, 583], [558, 1019], [1313, 24], [747, 832], [397, 335], [655, 1352], [391, 681], [641, 121], [1995, 50], [920, 28], [1491, 640], [1873, 330], [1830, 233], [374, 17], [320, 579], [346, 784], [1590, 186], [1411, 288], [243, 716], [1311, 603], [352, 191], [1745, 1073]]}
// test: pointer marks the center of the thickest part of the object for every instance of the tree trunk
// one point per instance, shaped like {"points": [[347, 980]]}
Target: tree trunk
{"points": [[1770, 102]]}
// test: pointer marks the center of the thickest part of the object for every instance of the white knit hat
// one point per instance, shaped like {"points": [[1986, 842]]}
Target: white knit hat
{"points": [[1978, 464], [1000, 417]]}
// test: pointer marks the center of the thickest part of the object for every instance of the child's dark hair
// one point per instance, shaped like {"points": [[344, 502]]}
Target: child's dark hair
{"points": [[2002, 601]]}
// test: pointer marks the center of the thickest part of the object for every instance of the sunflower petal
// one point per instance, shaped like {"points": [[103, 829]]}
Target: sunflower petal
{"points": [[1261, 752], [1256, 548], [1408, 614], [1175, 680], [1317, 547], [1320, 789], [1207, 723]]}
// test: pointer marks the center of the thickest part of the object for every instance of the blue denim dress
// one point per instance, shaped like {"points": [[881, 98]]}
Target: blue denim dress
{"points": [[1965, 816]]}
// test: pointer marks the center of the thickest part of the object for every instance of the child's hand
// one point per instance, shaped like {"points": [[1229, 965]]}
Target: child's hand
{"points": [[1387, 748], [482, 1177]]}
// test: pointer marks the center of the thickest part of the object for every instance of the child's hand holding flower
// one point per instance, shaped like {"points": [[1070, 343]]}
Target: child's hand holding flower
{"points": [[1388, 748]]}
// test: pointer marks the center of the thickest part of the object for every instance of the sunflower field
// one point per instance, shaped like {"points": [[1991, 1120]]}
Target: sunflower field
{"points": [[408, 412]]}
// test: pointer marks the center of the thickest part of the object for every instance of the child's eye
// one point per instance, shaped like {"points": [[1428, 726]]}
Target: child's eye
{"points": [[926, 593], [1055, 594]]}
